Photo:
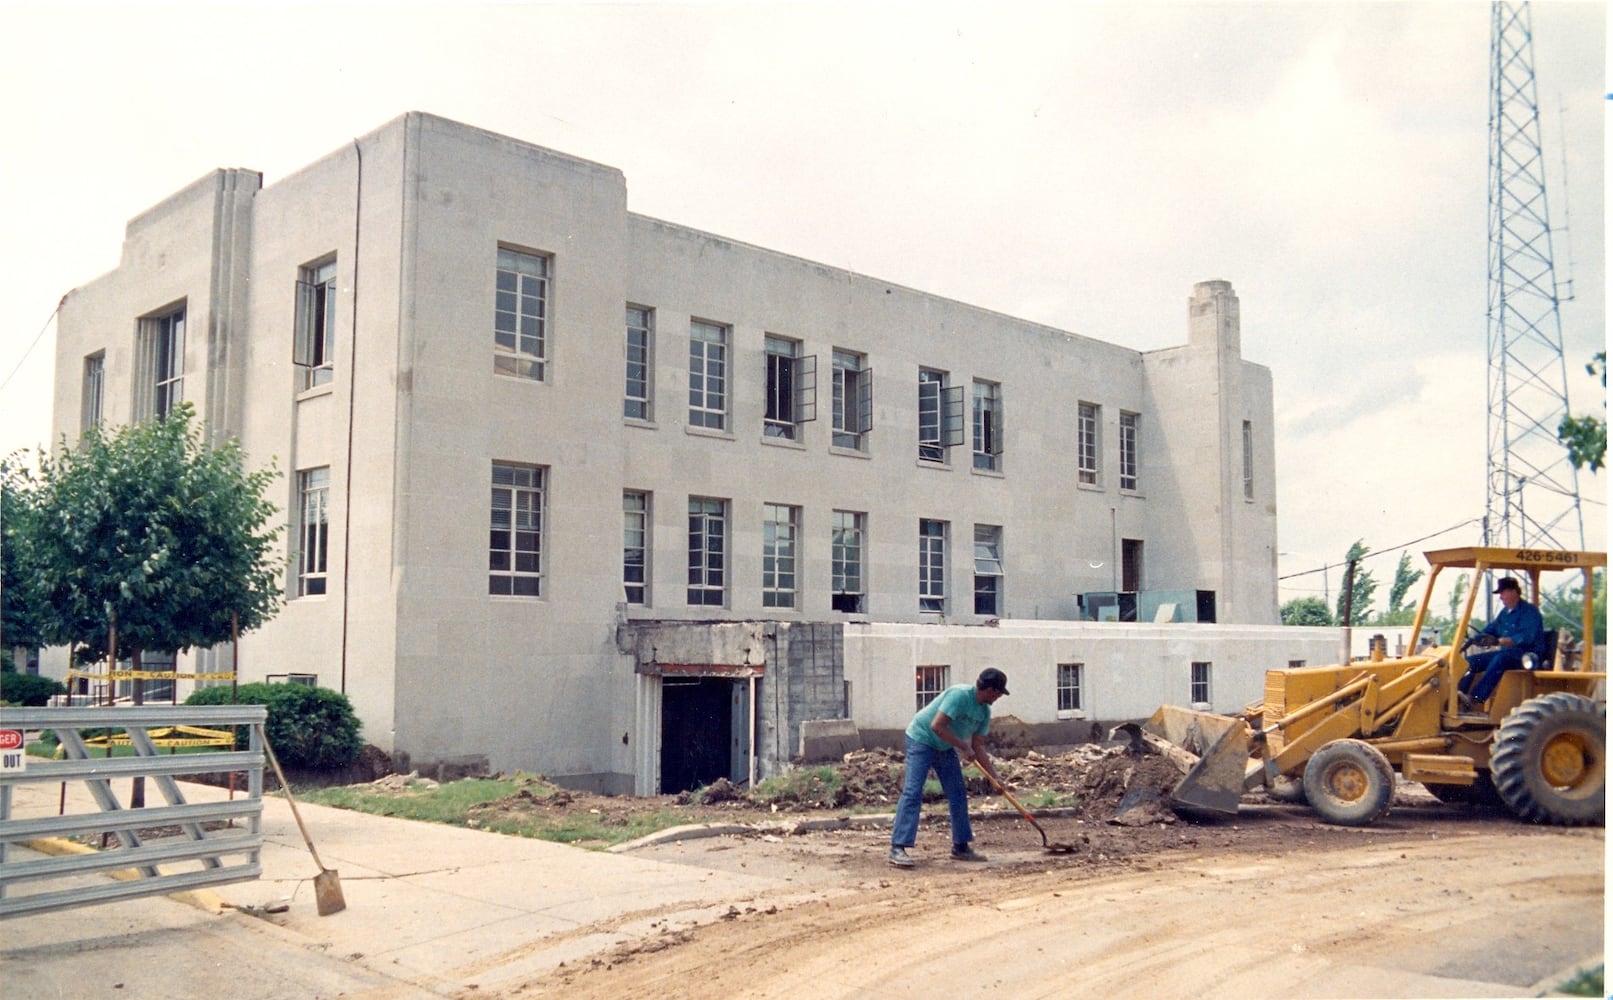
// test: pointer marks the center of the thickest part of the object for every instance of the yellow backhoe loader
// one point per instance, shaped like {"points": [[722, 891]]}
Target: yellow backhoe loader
{"points": [[1336, 736]]}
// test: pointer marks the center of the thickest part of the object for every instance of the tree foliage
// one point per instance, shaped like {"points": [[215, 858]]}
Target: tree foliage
{"points": [[1586, 437], [1562, 608], [19, 605], [1362, 587], [149, 530], [1306, 611], [1405, 579]]}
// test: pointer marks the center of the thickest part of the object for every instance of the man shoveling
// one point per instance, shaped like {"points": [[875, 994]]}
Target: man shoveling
{"points": [[946, 734]]}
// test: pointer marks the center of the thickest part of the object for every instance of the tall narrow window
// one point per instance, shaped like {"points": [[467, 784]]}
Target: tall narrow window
{"points": [[988, 569], [988, 425], [161, 385], [1248, 461], [1199, 684], [928, 682], [313, 486], [791, 388], [780, 528], [521, 314], [1128, 451], [708, 520], [1069, 686], [940, 415], [708, 375], [1087, 453], [932, 566], [515, 543], [846, 561], [636, 394], [316, 323], [853, 400], [93, 393], [635, 547]]}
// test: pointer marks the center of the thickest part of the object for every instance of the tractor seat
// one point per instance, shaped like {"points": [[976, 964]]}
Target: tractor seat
{"points": [[1546, 659]]}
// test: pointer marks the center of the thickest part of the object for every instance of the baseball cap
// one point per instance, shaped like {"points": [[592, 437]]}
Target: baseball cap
{"points": [[1507, 583], [994, 679]]}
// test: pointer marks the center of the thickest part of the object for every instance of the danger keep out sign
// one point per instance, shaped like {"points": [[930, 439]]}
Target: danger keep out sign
{"points": [[11, 756]]}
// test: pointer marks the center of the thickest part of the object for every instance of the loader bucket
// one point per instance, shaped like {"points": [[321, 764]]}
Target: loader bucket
{"points": [[1220, 744]]}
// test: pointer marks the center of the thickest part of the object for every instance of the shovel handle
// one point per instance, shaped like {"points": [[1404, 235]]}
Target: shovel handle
{"points": [[269, 750], [1005, 792]]}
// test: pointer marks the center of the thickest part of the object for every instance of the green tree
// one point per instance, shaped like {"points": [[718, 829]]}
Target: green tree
{"points": [[148, 535], [1586, 437], [19, 604], [1563, 607], [1361, 588], [1306, 611]]}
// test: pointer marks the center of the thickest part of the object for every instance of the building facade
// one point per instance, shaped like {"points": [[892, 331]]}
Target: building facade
{"points": [[574, 490]]}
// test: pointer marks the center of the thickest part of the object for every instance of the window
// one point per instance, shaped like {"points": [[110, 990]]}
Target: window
{"points": [[780, 528], [1070, 677], [1128, 451], [640, 335], [932, 566], [708, 520], [313, 488], [1199, 686], [1295, 664], [305, 680], [792, 387], [1248, 461], [853, 400], [515, 543], [940, 415], [521, 314], [708, 375], [846, 561], [316, 323], [1087, 463], [635, 546], [162, 364], [928, 682], [93, 395], [988, 569], [988, 426]]}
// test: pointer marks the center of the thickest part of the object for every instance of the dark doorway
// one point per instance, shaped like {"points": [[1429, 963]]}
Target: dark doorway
{"points": [[1131, 564], [695, 731]]}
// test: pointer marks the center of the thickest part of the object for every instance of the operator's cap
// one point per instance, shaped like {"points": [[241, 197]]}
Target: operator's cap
{"points": [[992, 679], [1507, 583]]}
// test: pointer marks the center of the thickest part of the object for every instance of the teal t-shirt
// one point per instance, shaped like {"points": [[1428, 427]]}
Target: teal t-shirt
{"points": [[958, 703]]}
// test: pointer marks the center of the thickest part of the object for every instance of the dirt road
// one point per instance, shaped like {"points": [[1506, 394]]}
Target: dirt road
{"points": [[1430, 902]]}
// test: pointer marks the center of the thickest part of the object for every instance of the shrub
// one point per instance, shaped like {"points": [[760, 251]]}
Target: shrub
{"points": [[28, 690], [312, 728]]}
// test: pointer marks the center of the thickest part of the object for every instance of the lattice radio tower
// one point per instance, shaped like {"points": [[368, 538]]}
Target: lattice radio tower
{"points": [[1532, 489]]}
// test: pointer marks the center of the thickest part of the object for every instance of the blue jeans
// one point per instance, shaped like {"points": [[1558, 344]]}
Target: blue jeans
{"points": [[1484, 671], [921, 758]]}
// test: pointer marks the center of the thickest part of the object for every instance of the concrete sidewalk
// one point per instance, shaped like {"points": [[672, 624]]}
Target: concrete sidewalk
{"points": [[431, 910]]}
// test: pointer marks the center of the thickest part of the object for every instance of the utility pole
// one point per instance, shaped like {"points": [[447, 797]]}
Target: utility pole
{"points": [[1527, 385]]}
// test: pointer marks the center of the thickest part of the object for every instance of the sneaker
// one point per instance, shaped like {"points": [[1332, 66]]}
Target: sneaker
{"points": [[963, 852], [899, 858]]}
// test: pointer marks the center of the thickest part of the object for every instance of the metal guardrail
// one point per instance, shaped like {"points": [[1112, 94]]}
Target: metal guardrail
{"points": [[197, 857]]}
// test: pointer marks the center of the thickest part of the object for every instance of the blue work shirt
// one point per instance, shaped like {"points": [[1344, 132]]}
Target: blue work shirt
{"points": [[967, 714], [1523, 625]]}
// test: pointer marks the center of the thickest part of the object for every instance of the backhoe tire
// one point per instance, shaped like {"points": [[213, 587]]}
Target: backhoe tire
{"points": [[1549, 760], [1349, 783]]}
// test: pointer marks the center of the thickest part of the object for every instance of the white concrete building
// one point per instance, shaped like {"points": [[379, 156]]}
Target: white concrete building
{"points": [[578, 491]]}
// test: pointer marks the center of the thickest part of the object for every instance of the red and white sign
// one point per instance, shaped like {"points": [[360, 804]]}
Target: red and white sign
{"points": [[11, 756]]}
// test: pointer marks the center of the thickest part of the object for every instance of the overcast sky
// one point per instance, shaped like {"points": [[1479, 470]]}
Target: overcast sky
{"points": [[1075, 165]]}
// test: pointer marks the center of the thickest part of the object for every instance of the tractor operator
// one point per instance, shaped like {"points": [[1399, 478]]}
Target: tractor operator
{"points": [[945, 734], [1517, 630]]}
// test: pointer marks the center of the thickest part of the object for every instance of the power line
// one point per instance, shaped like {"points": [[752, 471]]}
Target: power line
{"points": [[37, 337], [1375, 553]]}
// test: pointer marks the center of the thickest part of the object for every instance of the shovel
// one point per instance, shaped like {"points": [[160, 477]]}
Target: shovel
{"points": [[327, 886], [1050, 847]]}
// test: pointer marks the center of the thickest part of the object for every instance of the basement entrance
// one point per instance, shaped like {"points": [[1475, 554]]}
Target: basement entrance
{"points": [[705, 731]]}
